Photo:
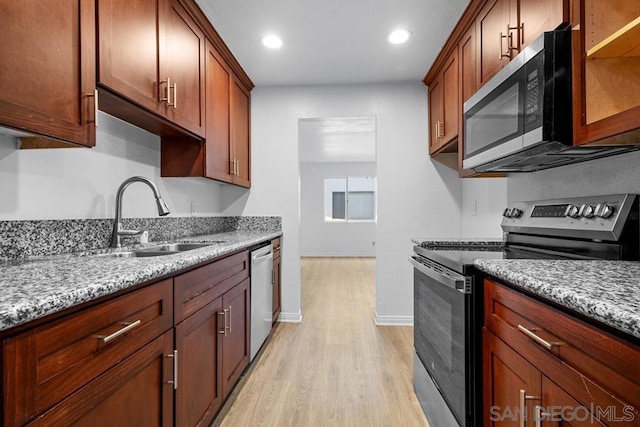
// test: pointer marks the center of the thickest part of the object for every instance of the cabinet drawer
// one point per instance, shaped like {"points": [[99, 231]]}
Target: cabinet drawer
{"points": [[197, 288], [590, 364], [46, 364]]}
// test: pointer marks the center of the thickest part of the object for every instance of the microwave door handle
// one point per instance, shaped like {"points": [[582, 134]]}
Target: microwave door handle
{"points": [[457, 284]]}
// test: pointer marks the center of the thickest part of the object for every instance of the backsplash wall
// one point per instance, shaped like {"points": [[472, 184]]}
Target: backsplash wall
{"points": [[611, 175], [24, 239], [81, 183]]}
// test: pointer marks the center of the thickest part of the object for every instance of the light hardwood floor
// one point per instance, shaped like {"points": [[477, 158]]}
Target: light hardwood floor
{"points": [[336, 368]]}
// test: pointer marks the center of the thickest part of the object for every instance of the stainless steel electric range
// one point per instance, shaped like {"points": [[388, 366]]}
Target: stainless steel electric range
{"points": [[448, 289]]}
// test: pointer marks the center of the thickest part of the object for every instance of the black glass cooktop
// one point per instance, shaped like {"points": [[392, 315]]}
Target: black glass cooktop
{"points": [[460, 258]]}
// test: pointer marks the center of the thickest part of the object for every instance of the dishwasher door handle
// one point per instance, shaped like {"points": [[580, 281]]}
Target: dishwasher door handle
{"points": [[262, 258], [439, 274]]}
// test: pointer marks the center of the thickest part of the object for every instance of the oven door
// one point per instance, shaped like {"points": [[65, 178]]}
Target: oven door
{"points": [[441, 299]]}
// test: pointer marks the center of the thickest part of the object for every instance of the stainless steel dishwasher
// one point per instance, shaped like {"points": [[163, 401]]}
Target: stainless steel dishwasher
{"points": [[261, 296]]}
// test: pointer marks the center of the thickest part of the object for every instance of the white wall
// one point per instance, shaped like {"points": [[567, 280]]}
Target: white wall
{"points": [[416, 197], [320, 238], [490, 198], [81, 183], [611, 175]]}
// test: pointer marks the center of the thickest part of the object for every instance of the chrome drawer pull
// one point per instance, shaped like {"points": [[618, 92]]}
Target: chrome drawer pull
{"points": [[127, 327], [546, 344], [174, 356]]}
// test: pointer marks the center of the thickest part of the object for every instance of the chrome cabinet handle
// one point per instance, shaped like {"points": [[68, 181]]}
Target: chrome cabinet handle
{"points": [[175, 96], [523, 405], [501, 52], [529, 332], [273, 277], [127, 327], [539, 415], [229, 309], [174, 356], [168, 97], [223, 331]]}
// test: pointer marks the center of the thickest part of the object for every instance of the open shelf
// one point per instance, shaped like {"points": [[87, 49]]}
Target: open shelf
{"points": [[622, 43]]}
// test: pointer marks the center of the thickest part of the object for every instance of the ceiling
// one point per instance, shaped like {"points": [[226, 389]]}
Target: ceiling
{"points": [[337, 139], [333, 41]]}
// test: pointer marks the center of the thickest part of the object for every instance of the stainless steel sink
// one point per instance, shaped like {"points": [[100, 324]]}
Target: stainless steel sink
{"points": [[160, 250]]}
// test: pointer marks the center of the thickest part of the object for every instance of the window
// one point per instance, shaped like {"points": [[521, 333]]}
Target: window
{"points": [[350, 199]]}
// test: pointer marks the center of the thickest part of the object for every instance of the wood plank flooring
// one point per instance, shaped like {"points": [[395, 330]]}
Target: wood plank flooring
{"points": [[336, 368]]}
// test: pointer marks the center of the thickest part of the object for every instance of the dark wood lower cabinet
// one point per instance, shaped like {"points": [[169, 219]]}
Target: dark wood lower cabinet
{"points": [[235, 345], [198, 342], [543, 367], [276, 280], [136, 392], [179, 345]]}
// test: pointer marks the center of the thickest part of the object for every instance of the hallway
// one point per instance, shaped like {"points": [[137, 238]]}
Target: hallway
{"points": [[336, 368]]}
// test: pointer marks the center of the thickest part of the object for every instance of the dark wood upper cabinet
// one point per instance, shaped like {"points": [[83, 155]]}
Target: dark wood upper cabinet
{"points": [[225, 154], [218, 145], [494, 43], [47, 70], [151, 53], [505, 27], [128, 50], [606, 72], [240, 134], [182, 65]]}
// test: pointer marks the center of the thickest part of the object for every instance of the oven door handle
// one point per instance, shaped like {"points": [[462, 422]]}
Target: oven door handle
{"points": [[448, 278]]}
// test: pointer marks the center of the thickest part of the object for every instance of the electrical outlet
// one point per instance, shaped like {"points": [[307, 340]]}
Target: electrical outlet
{"points": [[474, 208], [194, 207]]}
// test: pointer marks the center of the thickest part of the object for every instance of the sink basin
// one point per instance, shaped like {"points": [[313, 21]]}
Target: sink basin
{"points": [[160, 250]]}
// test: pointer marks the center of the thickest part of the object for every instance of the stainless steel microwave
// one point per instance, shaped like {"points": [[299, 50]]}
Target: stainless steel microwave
{"points": [[521, 119]]}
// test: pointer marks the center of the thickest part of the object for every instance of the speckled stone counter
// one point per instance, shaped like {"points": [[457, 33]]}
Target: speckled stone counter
{"points": [[432, 242], [607, 291], [34, 288]]}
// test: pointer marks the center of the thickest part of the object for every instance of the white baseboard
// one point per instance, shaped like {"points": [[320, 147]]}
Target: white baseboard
{"points": [[290, 317], [393, 320]]}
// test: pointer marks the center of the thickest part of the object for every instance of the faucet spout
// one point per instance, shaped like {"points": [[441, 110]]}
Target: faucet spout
{"points": [[118, 232]]}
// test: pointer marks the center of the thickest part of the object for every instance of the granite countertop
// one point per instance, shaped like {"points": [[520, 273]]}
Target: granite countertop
{"points": [[437, 242], [607, 291], [36, 287]]}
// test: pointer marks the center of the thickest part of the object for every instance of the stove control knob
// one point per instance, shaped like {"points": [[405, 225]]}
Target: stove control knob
{"points": [[507, 213], [572, 211], [516, 213], [587, 211], [603, 210]]}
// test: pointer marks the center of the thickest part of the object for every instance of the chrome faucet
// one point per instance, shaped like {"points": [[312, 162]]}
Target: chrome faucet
{"points": [[118, 233]]}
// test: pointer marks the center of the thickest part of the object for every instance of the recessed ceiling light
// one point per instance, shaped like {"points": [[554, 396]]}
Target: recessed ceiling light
{"points": [[399, 36], [272, 41]]}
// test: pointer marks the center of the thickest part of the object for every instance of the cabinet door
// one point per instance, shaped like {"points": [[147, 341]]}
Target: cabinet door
{"points": [[235, 347], [559, 409], [467, 67], [240, 133], [128, 49], [182, 65], [276, 281], [136, 392], [436, 114], [539, 16], [493, 40], [505, 374], [47, 71], [199, 393], [451, 111], [218, 142]]}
